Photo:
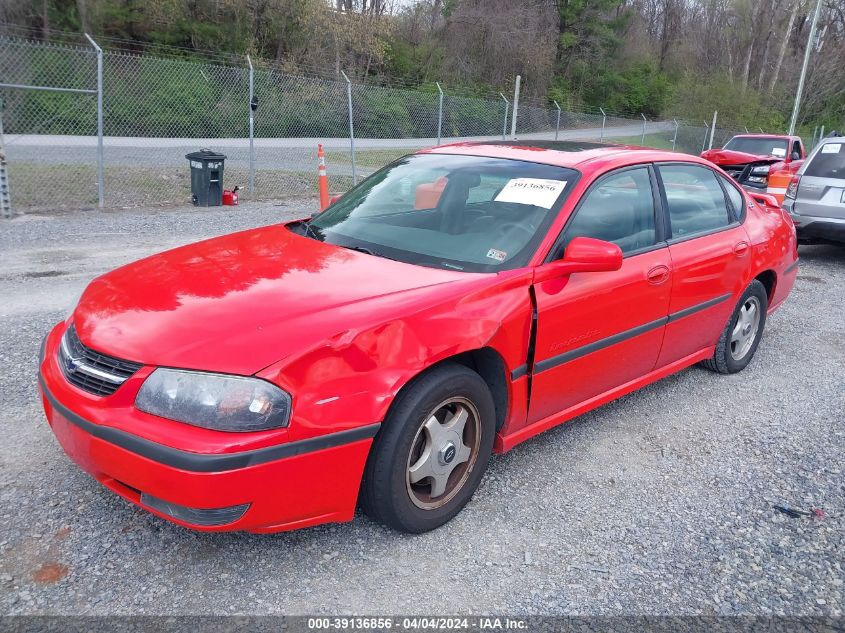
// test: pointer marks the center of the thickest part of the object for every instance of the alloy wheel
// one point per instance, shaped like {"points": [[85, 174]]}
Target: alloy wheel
{"points": [[443, 453], [745, 330]]}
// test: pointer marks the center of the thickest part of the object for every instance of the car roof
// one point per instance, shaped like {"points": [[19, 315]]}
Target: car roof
{"points": [[767, 136], [570, 154]]}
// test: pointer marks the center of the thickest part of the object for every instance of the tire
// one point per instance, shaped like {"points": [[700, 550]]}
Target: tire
{"points": [[410, 444], [737, 344]]}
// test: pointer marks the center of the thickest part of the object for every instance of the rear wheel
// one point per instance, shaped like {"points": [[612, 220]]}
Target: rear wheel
{"points": [[741, 336], [432, 450]]}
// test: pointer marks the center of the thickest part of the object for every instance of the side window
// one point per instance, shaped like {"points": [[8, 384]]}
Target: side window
{"points": [[797, 151], [619, 209], [736, 198], [696, 202]]}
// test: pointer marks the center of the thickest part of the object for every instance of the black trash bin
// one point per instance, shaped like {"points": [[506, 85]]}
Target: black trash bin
{"points": [[206, 178]]}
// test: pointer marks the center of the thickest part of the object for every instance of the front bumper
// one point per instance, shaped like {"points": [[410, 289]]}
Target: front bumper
{"points": [[273, 488]]}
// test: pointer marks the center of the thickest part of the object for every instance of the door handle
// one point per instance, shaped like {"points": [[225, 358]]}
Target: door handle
{"points": [[658, 275], [740, 249]]}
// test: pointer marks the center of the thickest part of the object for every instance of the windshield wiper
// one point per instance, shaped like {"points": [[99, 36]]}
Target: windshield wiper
{"points": [[309, 229], [363, 249]]}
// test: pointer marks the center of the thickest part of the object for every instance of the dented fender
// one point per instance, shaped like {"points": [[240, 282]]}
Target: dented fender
{"points": [[351, 378]]}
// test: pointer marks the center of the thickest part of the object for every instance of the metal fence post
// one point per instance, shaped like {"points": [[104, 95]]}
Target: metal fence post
{"points": [[642, 140], [515, 106], [101, 170], [713, 129], [439, 110], [351, 127], [505, 120], [557, 126], [5, 197], [603, 121], [251, 129], [675, 137], [815, 131], [821, 134], [811, 38]]}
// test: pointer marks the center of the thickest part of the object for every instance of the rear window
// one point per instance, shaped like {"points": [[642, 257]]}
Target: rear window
{"points": [[829, 162]]}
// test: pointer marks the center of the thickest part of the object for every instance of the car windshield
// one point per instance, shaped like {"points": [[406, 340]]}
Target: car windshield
{"points": [[471, 213], [760, 145], [829, 161]]}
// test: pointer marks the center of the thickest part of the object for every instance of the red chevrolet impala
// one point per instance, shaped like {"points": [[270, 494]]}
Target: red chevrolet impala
{"points": [[455, 303]]}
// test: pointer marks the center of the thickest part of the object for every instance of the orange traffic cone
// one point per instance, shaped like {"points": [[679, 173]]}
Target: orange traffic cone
{"points": [[322, 179]]}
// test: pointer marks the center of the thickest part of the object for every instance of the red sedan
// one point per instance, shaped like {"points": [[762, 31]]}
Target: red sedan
{"points": [[453, 304]]}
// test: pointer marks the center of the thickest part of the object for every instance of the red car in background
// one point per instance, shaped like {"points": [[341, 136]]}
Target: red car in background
{"points": [[455, 303], [761, 163]]}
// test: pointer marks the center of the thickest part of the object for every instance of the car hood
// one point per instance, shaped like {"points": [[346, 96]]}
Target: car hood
{"points": [[241, 302], [730, 157]]}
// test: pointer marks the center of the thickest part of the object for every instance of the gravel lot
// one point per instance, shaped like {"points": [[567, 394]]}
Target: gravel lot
{"points": [[659, 503]]}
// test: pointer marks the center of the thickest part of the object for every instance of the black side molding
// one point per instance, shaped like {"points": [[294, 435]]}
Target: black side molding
{"points": [[205, 463], [791, 267], [680, 314], [595, 346]]}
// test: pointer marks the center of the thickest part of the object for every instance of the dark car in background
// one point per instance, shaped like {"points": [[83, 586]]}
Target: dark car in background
{"points": [[815, 197]]}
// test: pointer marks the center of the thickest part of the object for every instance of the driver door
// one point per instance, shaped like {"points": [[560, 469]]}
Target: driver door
{"points": [[598, 331]]}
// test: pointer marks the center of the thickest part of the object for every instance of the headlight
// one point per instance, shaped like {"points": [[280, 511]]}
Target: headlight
{"points": [[214, 401], [760, 170]]}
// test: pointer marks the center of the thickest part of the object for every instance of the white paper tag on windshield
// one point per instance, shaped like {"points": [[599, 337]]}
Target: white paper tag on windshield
{"points": [[533, 191], [779, 152], [831, 148], [496, 254]]}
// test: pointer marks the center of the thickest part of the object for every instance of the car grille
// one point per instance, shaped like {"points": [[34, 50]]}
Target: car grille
{"points": [[734, 171], [89, 370]]}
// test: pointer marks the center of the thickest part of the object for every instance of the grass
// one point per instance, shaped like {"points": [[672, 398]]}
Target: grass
{"points": [[657, 141], [37, 187], [373, 158]]}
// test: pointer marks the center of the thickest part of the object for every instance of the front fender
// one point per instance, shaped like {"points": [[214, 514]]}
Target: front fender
{"points": [[352, 377]]}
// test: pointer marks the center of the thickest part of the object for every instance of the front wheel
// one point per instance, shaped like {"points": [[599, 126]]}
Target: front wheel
{"points": [[432, 450], [741, 336]]}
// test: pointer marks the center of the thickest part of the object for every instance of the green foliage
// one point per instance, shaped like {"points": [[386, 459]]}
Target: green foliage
{"points": [[636, 88], [695, 98], [597, 64]]}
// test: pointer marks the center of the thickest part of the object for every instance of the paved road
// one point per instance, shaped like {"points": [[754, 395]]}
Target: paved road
{"points": [[660, 503], [271, 153]]}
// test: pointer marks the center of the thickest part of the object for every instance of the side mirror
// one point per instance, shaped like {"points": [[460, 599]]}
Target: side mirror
{"points": [[582, 255], [335, 198]]}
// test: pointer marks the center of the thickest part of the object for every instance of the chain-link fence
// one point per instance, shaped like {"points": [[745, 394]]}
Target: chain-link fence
{"points": [[155, 109], [53, 91]]}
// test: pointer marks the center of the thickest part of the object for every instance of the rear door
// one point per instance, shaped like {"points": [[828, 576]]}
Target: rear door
{"points": [[597, 331], [821, 192], [710, 254]]}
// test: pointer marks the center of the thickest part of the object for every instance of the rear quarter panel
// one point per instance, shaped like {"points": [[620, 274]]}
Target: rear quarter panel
{"points": [[774, 247]]}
